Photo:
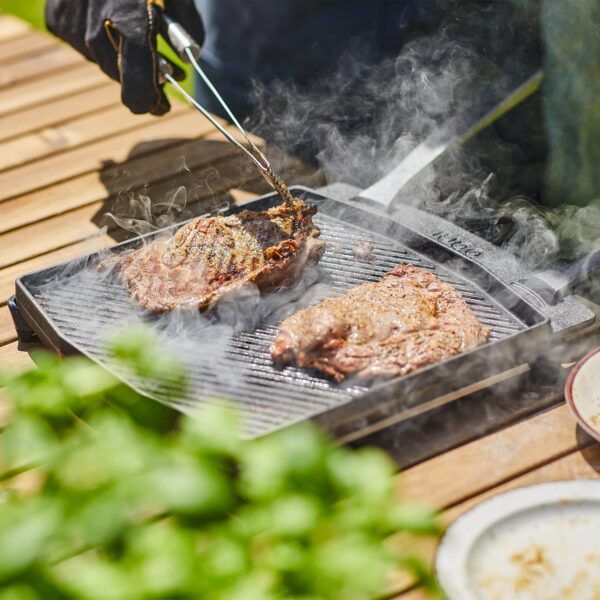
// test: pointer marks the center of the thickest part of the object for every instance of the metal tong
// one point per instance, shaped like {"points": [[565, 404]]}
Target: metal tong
{"points": [[188, 51]]}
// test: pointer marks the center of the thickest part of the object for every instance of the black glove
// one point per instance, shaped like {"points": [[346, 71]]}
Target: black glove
{"points": [[120, 36]]}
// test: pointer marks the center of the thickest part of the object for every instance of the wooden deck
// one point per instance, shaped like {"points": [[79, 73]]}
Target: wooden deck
{"points": [[68, 148]]}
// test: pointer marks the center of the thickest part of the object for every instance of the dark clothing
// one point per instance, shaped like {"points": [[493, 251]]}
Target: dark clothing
{"points": [[301, 40], [120, 37], [327, 86]]}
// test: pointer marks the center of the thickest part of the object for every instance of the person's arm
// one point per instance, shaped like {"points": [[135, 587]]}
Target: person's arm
{"points": [[120, 36]]}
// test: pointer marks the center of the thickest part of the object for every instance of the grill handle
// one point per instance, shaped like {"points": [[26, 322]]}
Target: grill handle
{"points": [[498, 99], [23, 329], [552, 285]]}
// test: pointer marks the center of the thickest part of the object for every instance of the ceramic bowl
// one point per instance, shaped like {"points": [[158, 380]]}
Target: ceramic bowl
{"points": [[540, 542], [582, 393]]}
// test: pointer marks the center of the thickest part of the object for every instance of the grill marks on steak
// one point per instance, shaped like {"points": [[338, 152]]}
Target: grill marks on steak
{"points": [[212, 256], [406, 321]]}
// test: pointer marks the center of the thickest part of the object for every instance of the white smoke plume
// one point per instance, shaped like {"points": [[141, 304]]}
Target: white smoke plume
{"points": [[360, 121]]}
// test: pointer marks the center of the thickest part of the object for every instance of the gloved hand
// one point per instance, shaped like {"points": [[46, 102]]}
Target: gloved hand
{"points": [[120, 36]]}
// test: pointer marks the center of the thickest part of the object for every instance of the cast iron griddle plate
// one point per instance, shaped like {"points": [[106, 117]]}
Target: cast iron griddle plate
{"points": [[77, 308]]}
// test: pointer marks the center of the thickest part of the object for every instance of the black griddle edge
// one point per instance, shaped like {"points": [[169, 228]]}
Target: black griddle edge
{"points": [[440, 241]]}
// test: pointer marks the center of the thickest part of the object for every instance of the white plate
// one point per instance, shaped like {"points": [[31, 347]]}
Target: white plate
{"points": [[533, 543], [582, 392]]}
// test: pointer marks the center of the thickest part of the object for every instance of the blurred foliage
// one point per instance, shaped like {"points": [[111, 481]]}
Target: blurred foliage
{"points": [[107, 495], [571, 87]]}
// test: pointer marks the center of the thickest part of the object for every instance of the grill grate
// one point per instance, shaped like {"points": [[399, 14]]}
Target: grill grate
{"points": [[86, 307]]}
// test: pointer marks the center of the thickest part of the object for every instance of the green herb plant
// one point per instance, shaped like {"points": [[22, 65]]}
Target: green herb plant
{"points": [[106, 495]]}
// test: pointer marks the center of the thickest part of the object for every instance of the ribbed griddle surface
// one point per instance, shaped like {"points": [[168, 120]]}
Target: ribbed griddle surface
{"points": [[86, 307]]}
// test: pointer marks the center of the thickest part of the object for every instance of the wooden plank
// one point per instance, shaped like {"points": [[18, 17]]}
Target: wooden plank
{"points": [[165, 132], [32, 44], [72, 134], [465, 471], [32, 93], [416, 594], [43, 236], [7, 329], [581, 464], [58, 111], [89, 188], [229, 174], [55, 59], [241, 197], [481, 466], [11, 359], [10, 274], [38, 238], [56, 200], [94, 187], [11, 27]]}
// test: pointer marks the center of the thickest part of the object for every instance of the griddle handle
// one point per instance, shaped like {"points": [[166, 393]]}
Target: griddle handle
{"points": [[552, 285], [372, 205], [24, 331]]}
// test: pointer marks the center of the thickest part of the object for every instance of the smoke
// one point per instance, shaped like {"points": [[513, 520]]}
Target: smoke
{"points": [[136, 213], [153, 207], [361, 120], [357, 123], [364, 117]]}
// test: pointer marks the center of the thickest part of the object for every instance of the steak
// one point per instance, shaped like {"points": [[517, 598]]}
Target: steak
{"points": [[212, 256], [406, 321]]}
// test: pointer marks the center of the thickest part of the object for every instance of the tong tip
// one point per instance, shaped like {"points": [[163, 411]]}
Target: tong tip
{"points": [[278, 185]]}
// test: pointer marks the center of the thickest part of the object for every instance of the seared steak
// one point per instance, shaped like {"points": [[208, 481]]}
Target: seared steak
{"points": [[212, 256], [407, 320]]}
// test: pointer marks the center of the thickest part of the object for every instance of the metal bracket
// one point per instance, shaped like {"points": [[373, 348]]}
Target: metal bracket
{"points": [[24, 331]]}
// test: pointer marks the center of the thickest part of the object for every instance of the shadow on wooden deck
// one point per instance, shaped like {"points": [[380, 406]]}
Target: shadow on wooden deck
{"points": [[164, 183]]}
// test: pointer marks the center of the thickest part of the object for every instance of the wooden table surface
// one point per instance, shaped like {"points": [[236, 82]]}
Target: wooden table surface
{"points": [[68, 152]]}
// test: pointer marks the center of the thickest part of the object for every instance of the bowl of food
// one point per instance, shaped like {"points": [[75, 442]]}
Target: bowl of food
{"points": [[582, 392], [540, 542]]}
